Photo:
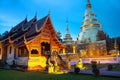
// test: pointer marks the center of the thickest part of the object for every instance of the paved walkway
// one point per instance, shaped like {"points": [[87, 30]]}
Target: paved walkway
{"points": [[103, 72]]}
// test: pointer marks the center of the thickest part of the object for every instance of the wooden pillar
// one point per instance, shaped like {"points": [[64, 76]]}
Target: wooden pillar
{"points": [[16, 52], [63, 50], [73, 49], [29, 50], [40, 46]]}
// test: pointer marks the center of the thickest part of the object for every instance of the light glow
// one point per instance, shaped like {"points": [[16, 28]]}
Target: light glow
{"points": [[36, 63]]}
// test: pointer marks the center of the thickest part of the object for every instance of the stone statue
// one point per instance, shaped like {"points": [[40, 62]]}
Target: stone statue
{"points": [[69, 65], [50, 67], [79, 64]]}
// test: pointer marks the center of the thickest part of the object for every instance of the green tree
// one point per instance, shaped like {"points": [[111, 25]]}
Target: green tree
{"points": [[103, 36], [59, 36]]}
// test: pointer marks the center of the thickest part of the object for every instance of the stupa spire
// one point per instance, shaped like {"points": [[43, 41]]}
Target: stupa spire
{"points": [[67, 30], [88, 4], [90, 26]]}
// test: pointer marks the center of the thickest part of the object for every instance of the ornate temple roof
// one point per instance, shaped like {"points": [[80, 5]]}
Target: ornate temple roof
{"points": [[24, 29], [36, 26], [27, 31]]}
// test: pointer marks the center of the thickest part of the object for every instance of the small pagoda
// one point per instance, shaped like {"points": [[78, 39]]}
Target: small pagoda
{"points": [[68, 42]]}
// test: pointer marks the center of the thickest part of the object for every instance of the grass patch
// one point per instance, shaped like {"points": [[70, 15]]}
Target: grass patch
{"points": [[18, 75]]}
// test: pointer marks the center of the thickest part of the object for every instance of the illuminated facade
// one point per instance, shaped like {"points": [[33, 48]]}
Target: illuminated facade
{"points": [[29, 42], [87, 42], [93, 49]]}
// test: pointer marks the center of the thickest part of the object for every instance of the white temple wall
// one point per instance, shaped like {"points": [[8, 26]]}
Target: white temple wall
{"points": [[89, 34], [22, 61], [106, 60], [10, 54]]}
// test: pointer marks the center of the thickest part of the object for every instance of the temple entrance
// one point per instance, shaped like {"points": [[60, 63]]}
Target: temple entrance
{"points": [[45, 48]]}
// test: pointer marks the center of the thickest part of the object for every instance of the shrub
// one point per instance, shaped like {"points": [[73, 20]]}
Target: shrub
{"points": [[1, 63], [76, 70], [110, 67], [95, 70], [94, 66]]}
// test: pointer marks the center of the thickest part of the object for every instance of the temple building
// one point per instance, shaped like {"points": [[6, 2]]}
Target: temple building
{"points": [[68, 42], [29, 42], [88, 39]]}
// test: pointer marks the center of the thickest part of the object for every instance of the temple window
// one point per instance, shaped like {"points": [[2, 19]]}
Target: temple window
{"points": [[22, 51], [34, 51]]}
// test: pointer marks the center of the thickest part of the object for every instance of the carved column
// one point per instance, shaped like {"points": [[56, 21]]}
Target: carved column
{"points": [[73, 49]]}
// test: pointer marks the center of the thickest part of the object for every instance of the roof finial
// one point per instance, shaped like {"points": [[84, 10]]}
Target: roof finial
{"points": [[25, 40], [67, 30], [36, 14], [22, 27], [25, 20], [36, 28], [9, 38], [49, 12], [26, 16], [88, 4]]}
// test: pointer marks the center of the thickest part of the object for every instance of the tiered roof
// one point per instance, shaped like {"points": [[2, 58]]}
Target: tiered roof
{"points": [[90, 26], [90, 19], [24, 31]]}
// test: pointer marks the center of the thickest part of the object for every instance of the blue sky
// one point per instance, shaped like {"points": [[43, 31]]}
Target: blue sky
{"points": [[14, 11]]}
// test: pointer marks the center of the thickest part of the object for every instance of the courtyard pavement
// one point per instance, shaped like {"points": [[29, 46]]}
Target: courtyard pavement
{"points": [[103, 72]]}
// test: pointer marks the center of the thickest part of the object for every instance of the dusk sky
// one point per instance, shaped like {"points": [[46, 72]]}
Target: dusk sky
{"points": [[108, 13]]}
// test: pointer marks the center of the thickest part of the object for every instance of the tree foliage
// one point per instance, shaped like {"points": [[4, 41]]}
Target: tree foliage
{"points": [[102, 36], [59, 36]]}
